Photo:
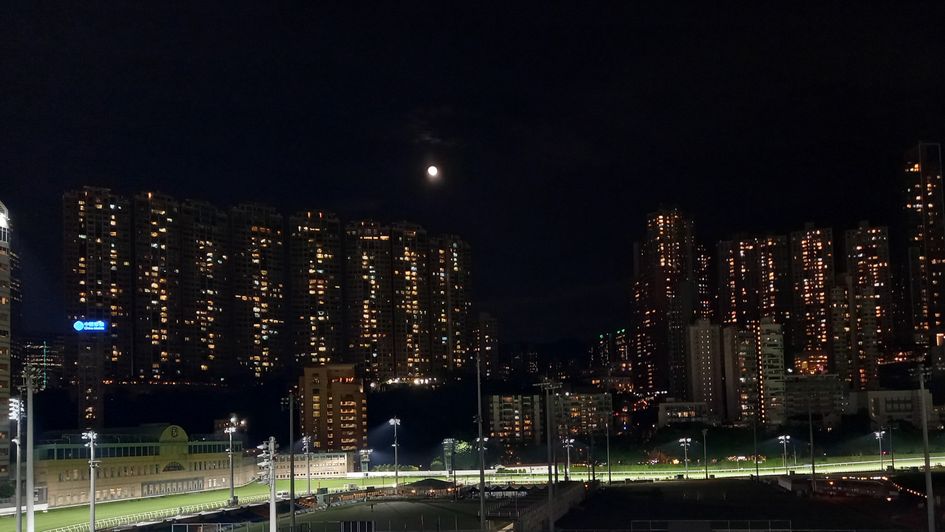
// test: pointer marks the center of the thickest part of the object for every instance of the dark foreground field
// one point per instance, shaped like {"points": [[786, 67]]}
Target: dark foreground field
{"points": [[731, 500]]}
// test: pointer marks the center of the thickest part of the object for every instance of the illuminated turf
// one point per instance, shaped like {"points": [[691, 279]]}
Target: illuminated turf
{"points": [[79, 514]]}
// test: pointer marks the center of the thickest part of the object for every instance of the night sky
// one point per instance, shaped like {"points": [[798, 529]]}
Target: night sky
{"points": [[555, 131]]}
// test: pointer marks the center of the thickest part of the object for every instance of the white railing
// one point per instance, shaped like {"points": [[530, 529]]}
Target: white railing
{"points": [[155, 515]]}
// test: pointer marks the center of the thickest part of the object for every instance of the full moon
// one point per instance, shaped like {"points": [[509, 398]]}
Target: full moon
{"points": [[432, 171]]}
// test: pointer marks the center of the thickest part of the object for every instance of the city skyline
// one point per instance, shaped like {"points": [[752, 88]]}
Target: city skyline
{"points": [[551, 150]]}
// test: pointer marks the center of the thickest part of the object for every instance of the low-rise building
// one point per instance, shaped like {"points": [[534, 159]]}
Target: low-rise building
{"points": [[822, 394], [885, 406], [671, 412], [149, 460], [321, 465], [581, 414]]}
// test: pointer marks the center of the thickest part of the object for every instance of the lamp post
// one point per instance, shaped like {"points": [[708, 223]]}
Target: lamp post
{"points": [[784, 439], [567, 443], [449, 450], [482, 444], [705, 452], [892, 450], [91, 436], [395, 422], [306, 442], [607, 428], [879, 437], [16, 414], [685, 443], [230, 430]]}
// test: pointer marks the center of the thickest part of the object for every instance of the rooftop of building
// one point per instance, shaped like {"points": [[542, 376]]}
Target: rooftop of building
{"points": [[146, 433]]}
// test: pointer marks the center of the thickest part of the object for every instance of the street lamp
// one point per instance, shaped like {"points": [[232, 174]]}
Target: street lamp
{"points": [[784, 439], [567, 443], [16, 414], [705, 451], [449, 450], [91, 436], [306, 442], [685, 443], [395, 422], [230, 430], [879, 437]]}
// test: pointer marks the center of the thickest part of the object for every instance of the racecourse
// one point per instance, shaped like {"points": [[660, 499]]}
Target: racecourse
{"points": [[150, 508]]}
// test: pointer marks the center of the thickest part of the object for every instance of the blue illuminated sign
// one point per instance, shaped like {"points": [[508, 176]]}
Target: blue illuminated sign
{"points": [[89, 326]]}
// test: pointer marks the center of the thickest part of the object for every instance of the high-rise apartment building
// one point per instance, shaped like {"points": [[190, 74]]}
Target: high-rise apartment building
{"points": [[812, 271], [665, 300], [6, 313], [705, 366], [925, 223], [515, 418], [754, 281], [742, 374], [861, 308], [754, 373], [157, 296], [771, 381], [411, 300], [368, 301], [602, 352], [204, 282], [450, 302], [486, 347], [98, 275], [256, 277], [706, 300], [45, 355], [334, 408], [315, 303], [622, 360]]}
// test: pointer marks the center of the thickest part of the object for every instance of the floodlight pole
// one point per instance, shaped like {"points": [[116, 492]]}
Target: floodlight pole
{"points": [[91, 436], [30, 418], [16, 414], [482, 445]]}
